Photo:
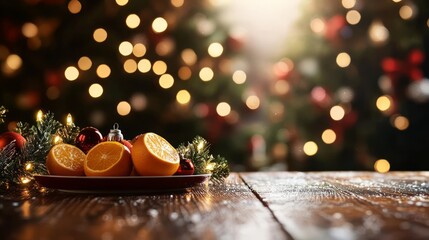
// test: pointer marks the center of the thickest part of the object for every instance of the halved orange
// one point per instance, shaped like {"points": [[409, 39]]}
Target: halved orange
{"points": [[152, 155], [108, 159], [65, 159]]}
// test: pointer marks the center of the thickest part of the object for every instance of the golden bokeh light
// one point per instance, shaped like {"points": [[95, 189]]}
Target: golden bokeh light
{"points": [[239, 77], [159, 67], [121, 2], [384, 103], [382, 166], [215, 49], [144, 65], [29, 30], [378, 33], [84, 63], [13, 62], [132, 21], [281, 87], [130, 66], [103, 71], [123, 108], [347, 4], [139, 50], [71, 73], [95, 90], [159, 25], [100, 35], [125, 48], [329, 136], [343, 59], [189, 56], [206, 74], [253, 102], [310, 148], [401, 122], [353, 17], [317, 25], [406, 12], [166, 81], [185, 73], [223, 109], [74, 6], [337, 113], [177, 3], [183, 97]]}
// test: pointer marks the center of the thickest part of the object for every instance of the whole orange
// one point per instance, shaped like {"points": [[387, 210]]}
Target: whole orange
{"points": [[152, 155]]}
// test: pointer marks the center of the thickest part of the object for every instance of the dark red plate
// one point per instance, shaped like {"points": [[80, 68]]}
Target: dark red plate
{"points": [[121, 184]]}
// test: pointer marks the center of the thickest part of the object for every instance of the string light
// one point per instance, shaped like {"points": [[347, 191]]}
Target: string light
{"points": [[123, 108], [384, 103], [130, 66], [159, 67], [166, 81], [159, 25], [103, 71], [95, 90], [215, 49], [125, 48], [337, 113], [223, 109], [132, 21], [74, 6], [239, 77], [310, 148], [183, 97], [343, 60], [29, 167], [57, 139], [144, 65], [382, 166], [329, 136], [139, 50], [25, 180], [100, 35], [71, 73], [39, 116], [353, 17], [84, 63], [206, 74], [253, 102], [69, 120]]}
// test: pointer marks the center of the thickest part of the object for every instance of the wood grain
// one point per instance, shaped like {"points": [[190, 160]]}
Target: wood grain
{"points": [[210, 211], [346, 205]]}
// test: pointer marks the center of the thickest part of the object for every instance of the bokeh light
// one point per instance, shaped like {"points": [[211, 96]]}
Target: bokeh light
{"points": [[125, 48], [189, 57], [139, 50], [166, 81], [123, 108], [406, 12], [353, 17], [384, 103], [100, 35], [347, 4], [343, 59], [29, 30], [329, 136], [310, 148], [337, 113], [239, 77], [382, 166], [159, 25], [71, 73], [144, 65], [253, 102], [74, 6], [130, 66], [132, 21], [159, 67], [177, 3], [223, 109], [215, 49], [400, 122], [206, 74], [185, 73], [103, 71], [317, 25], [95, 90], [84, 63], [13, 62], [183, 97], [121, 2]]}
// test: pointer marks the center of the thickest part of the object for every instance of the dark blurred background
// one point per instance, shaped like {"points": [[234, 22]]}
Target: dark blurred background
{"points": [[272, 85]]}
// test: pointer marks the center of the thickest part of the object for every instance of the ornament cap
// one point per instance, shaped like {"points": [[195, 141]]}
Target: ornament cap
{"points": [[115, 134]]}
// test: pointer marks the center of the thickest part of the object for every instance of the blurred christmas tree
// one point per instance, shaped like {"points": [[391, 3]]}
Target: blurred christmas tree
{"points": [[162, 66], [352, 87]]}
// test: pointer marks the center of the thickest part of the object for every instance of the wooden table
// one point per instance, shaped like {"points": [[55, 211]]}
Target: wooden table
{"points": [[261, 205]]}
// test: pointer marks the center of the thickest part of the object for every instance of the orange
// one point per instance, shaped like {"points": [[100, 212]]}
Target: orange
{"points": [[108, 159], [152, 155], [65, 159]]}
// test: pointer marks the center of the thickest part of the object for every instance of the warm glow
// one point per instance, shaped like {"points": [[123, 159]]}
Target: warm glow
{"points": [[310, 148], [348, 3], [130, 66], [189, 57], [74, 6], [29, 30], [185, 73], [166, 81], [139, 50], [13, 62], [144, 65], [384, 103], [206, 74], [382, 166], [401, 123], [343, 59], [29, 167], [71, 73], [69, 120], [317, 25], [215, 49], [103, 71], [121, 2], [125, 48], [281, 87], [159, 67], [239, 77], [337, 113], [353, 17], [406, 12], [183, 97], [329, 136], [378, 33], [253, 102], [132, 21], [177, 3], [165, 47], [223, 109], [95, 90], [123, 108], [159, 25], [39, 116], [100, 35], [84, 63]]}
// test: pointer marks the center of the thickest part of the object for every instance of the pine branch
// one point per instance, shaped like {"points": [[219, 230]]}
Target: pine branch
{"points": [[198, 151], [3, 112]]}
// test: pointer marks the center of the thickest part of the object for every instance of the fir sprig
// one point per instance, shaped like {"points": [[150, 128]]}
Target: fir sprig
{"points": [[198, 151], [3, 112]]}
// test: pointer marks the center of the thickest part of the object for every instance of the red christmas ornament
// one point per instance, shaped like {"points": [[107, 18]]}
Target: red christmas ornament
{"points": [[88, 138], [115, 134], [186, 167], [8, 137]]}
